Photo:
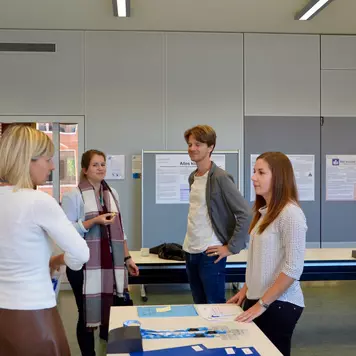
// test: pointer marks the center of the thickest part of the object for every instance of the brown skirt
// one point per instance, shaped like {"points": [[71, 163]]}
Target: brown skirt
{"points": [[32, 333]]}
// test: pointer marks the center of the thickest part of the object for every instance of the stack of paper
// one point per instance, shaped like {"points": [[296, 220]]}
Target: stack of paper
{"points": [[226, 312], [200, 350]]}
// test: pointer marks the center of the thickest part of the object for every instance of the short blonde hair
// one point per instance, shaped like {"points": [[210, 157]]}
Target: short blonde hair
{"points": [[19, 146]]}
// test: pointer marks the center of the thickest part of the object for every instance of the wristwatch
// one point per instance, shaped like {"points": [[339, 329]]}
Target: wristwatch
{"points": [[127, 258], [263, 304]]}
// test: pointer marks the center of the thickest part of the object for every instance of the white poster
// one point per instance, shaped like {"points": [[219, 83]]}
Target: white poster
{"points": [[304, 172], [341, 177], [172, 173], [115, 167]]}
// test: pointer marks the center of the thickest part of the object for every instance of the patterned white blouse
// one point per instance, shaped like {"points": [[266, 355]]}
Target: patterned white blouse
{"points": [[280, 248]]}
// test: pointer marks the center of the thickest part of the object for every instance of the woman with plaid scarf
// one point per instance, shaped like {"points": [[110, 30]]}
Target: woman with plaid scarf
{"points": [[94, 209]]}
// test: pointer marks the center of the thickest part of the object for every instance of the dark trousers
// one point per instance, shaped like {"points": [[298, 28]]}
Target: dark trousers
{"points": [[206, 278], [278, 323], [85, 335]]}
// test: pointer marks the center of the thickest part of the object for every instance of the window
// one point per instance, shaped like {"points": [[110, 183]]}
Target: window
{"points": [[68, 168], [68, 164], [63, 128]]}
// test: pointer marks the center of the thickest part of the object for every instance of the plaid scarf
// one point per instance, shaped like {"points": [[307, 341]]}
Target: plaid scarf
{"points": [[104, 274]]}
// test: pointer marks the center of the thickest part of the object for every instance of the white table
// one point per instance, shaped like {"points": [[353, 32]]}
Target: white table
{"points": [[253, 337], [312, 254], [325, 264]]}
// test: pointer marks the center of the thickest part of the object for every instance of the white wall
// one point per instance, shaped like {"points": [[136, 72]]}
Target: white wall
{"points": [[141, 90], [282, 75], [338, 76], [124, 105], [338, 52], [43, 83], [204, 78]]}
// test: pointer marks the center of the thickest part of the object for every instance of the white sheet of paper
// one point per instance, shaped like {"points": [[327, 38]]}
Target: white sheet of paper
{"points": [[226, 312], [115, 167], [172, 173], [304, 172], [197, 348], [340, 177]]}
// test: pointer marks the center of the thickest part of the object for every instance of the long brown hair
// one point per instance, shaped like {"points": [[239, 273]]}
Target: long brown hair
{"points": [[86, 159], [283, 189]]}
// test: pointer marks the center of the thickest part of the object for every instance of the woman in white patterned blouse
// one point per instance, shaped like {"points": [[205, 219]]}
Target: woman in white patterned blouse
{"points": [[272, 295]]}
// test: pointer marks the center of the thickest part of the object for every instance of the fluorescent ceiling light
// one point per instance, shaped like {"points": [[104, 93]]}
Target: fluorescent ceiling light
{"points": [[311, 9], [121, 8]]}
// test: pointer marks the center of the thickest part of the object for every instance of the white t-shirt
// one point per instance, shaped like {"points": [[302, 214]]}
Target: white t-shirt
{"points": [[200, 234], [280, 248], [27, 218]]}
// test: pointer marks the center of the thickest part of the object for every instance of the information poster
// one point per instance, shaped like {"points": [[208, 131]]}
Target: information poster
{"points": [[172, 173], [115, 167], [341, 177], [304, 172]]}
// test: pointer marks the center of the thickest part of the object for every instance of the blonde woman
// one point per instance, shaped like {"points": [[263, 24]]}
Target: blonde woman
{"points": [[29, 219]]}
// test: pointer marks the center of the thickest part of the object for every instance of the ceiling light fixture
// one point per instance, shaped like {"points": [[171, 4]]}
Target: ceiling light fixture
{"points": [[311, 9], [121, 8]]}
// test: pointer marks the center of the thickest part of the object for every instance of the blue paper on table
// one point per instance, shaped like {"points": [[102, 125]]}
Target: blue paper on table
{"points": [[175, 351], [168, 311], [234, 351], [200, 350]]}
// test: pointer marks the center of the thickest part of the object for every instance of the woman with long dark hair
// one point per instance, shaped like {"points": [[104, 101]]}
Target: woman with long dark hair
{"points": [[272, 295]]}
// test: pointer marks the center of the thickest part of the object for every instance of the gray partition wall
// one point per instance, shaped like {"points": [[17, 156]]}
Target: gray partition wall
{"points": [[338, 218], [168, 222], [290, 135]]}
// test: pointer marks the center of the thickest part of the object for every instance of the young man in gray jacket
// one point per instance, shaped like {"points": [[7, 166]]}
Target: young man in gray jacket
{"points": [[218, 219]]}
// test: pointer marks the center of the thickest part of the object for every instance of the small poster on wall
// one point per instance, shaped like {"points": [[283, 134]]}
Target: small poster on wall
{"points": [[341, 177], [136, 166], [115, 167], [304, 172]]}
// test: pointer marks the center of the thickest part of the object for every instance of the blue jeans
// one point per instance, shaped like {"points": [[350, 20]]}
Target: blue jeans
{"points": [[206, 278]]}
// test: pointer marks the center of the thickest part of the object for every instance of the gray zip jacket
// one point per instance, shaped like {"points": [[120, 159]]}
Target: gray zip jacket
{"points": [[228, 211]]}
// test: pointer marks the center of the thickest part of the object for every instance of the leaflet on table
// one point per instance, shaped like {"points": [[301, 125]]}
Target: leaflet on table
{"points": [[226, 312]]}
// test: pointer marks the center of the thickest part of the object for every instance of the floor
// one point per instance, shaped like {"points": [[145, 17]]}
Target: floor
{"points": [[326, 328]]}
